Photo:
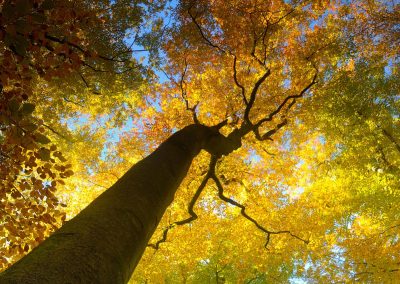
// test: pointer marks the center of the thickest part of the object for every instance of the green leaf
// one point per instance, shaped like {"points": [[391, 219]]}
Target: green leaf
{"points": [[8, 11], [47, 5], [30, 126], [22, 26], [41, 139], [38, 18], [23, 7], [17, 43], [13, 106], [44, 154], [27, 108], [20, 44]]}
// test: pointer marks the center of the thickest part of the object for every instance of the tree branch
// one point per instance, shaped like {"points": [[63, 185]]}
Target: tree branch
{"points": [[223, 197], [193, 215], [269, 133], [65, 41], [55, 132], [254, 94], [199, 28], [282, 105], [243, 91], [391, 138], [182, 86]]}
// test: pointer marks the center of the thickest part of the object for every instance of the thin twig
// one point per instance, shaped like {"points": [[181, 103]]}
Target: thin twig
{"points": [[391, 138], [55, 132]]}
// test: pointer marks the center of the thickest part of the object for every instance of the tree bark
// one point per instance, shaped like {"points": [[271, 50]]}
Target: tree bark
{"points": [[104, 242]]}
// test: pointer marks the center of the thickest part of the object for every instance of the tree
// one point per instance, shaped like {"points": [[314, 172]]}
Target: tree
{"points": [[309, 202]]}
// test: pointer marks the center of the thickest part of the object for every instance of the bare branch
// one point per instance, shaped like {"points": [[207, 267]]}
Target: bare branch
{"points": [[391, 138], [65, 41], [223, 197], [94, 68], [84, 80], [55, 132], [269, 133], [263, 36], [254, 94], [182, 86], [255, 40], [87, 84], [199, 28], [268, 152], [193, 215], [243, 91], [285, 101], [69, 101]]}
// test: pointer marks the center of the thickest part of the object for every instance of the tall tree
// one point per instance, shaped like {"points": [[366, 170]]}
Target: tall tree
{"points": [[297, 107]]}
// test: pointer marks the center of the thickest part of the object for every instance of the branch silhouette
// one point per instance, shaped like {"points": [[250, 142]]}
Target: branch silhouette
{"points": [[192, 213], [245, 215]]}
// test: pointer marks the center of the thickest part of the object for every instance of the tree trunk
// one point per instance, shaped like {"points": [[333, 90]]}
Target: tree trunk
{"points": [[104, 242]]}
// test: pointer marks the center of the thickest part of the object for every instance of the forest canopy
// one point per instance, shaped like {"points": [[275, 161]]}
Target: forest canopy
{"points": [[306, 91]]}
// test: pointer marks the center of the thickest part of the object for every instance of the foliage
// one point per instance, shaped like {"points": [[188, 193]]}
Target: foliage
{"points": [[330, 176], [59, 60], [320, 172]]}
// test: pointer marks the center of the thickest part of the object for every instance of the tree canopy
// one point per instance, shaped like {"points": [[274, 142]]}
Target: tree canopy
{"points": [[311, 191]]}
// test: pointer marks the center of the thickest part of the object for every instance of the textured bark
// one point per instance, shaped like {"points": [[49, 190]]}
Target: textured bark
{"points": [[104, 243]]}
